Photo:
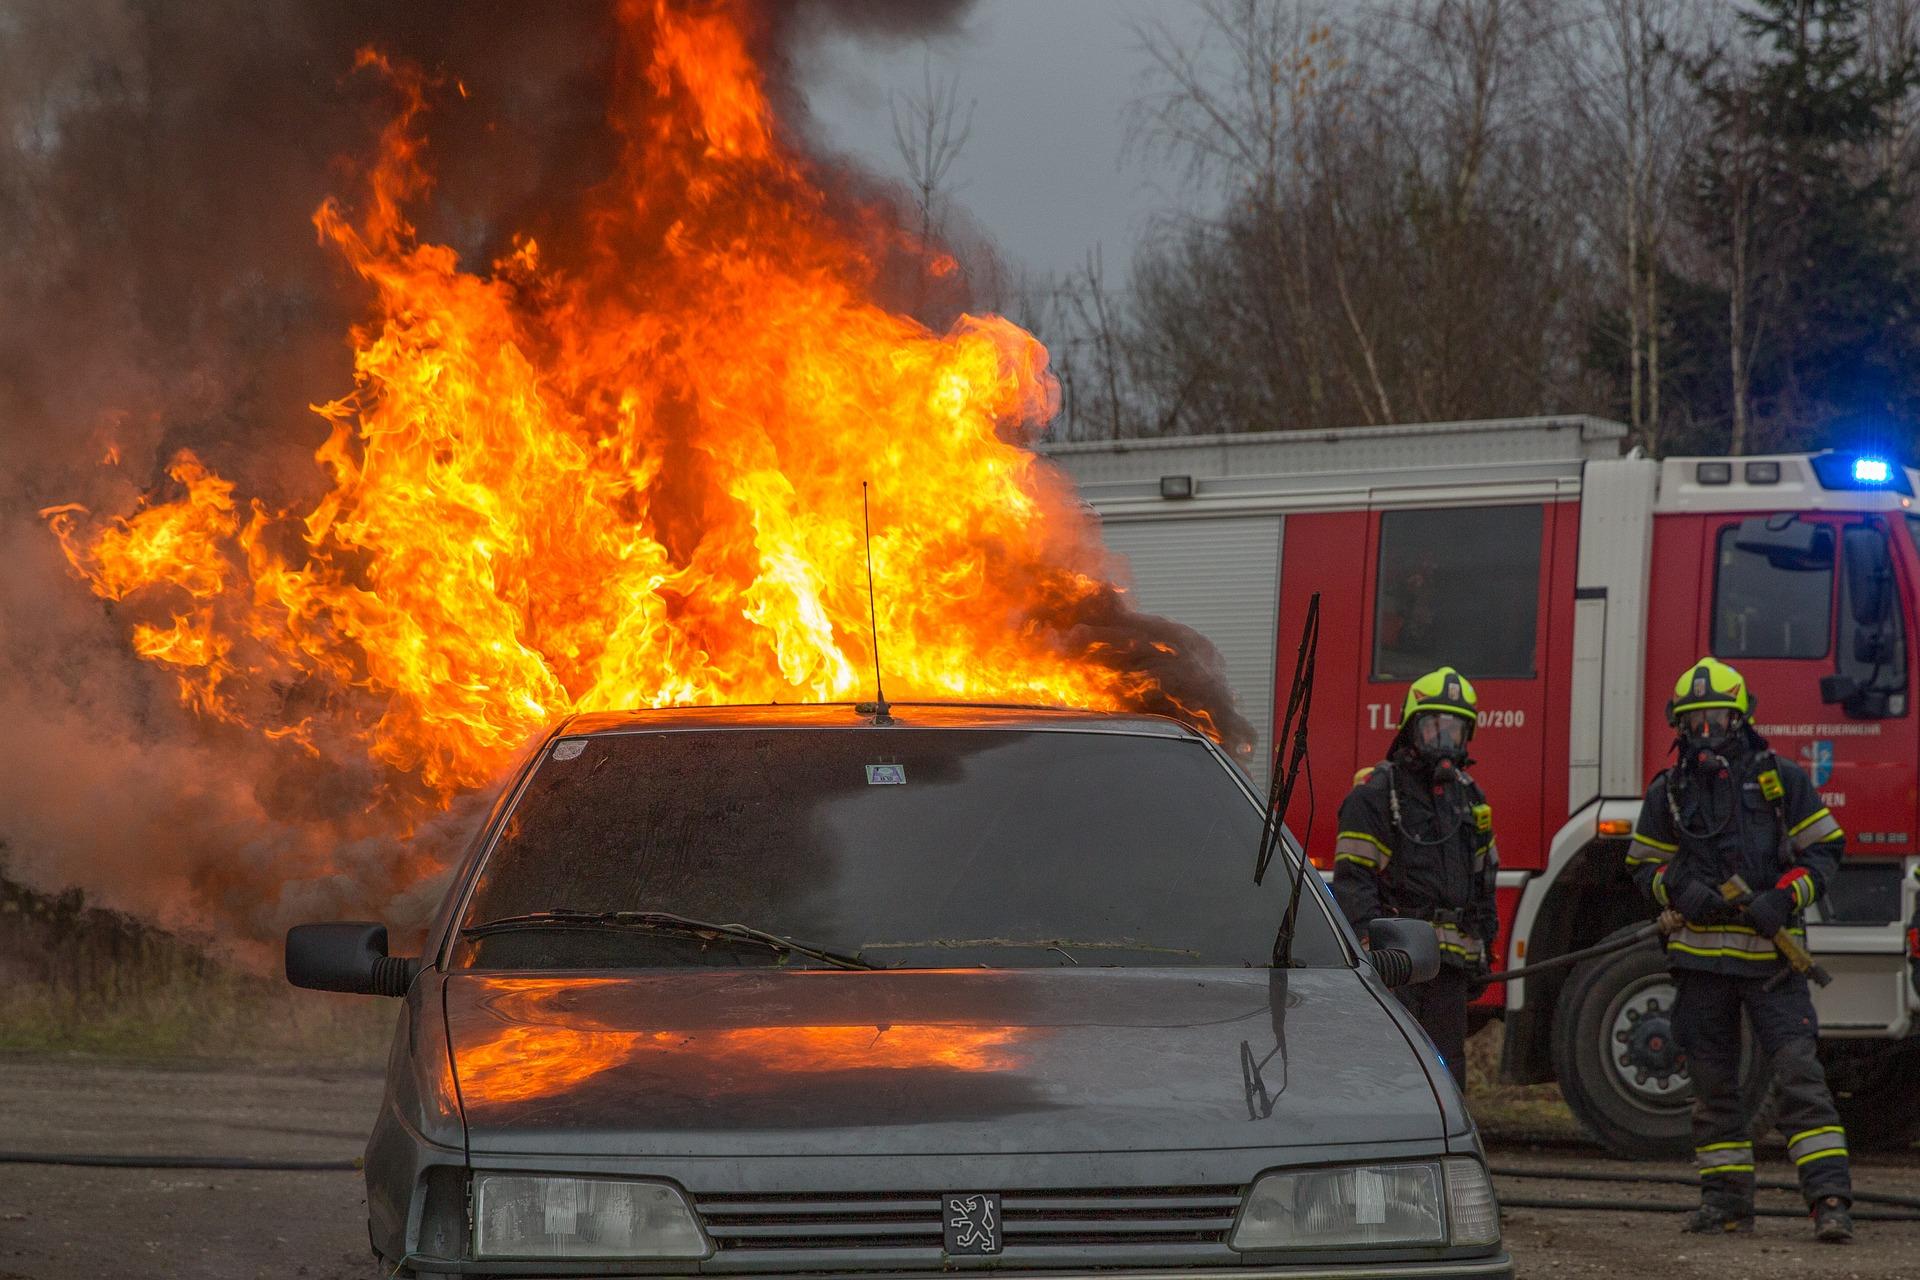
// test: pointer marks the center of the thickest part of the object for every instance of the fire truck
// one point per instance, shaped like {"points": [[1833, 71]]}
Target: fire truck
{"points": [[1573, 580]]}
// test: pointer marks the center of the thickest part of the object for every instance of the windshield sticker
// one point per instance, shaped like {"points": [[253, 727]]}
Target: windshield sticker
{"points": [[569, 749], [886, 775]]}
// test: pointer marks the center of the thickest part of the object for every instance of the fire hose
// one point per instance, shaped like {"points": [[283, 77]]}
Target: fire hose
{"points": [[1645, 933]]}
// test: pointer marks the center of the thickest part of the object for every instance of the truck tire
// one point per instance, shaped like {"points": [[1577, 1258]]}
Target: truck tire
{"points": [[1613, 1052], [1876, 1092]]}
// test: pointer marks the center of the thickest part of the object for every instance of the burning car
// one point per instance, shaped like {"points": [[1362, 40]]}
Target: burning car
{"points": [[921, 989]]}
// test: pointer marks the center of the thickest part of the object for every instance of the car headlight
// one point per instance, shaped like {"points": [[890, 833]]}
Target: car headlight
{"points": [[536, 1216], [1379, 1205]]}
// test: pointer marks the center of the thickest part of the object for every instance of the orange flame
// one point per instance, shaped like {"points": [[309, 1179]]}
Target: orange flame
{"points": [[633, 479], [520, 1062]]}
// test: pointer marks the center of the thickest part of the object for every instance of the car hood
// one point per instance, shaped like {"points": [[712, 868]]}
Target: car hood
{"points": [[744, 1062]]}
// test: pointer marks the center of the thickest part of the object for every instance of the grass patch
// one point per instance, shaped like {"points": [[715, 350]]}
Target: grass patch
{"points": [[77, 979], [1512, 1111]]}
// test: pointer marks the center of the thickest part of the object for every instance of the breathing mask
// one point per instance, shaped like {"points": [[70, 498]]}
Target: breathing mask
{"points": [[1709, 729], [1440, 738]]}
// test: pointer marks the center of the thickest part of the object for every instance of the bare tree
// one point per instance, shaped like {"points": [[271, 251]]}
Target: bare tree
{"points": [[930, 131], [1627, 121]]}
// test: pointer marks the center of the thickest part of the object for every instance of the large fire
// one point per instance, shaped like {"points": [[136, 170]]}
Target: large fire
{"points": [[634, 480]]}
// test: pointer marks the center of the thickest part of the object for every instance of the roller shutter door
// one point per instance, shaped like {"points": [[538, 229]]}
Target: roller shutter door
{"points": [[1222, 578]]}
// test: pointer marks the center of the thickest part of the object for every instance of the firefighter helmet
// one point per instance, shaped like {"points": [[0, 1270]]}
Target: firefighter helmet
{"points": [[1709, 683], [1443, 690]]}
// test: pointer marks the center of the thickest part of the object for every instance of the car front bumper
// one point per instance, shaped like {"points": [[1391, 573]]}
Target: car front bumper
{"points": [[1497, 1267]]}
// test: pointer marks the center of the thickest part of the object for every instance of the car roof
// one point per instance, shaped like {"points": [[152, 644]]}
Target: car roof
{"points": [[854, 715]]}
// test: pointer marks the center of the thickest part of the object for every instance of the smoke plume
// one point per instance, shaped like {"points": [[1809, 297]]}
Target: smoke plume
{"points": [[162, 288]]}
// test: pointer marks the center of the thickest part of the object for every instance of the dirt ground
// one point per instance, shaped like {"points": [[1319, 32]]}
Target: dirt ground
{"points": [[86, 1224]]}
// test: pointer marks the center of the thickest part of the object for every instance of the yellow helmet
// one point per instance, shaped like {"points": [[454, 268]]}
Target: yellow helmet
{"points": [[1443, 690], [1709, 683]]}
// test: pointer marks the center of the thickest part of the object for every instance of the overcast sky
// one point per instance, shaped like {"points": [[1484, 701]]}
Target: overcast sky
{"points": [[1046, 171]]}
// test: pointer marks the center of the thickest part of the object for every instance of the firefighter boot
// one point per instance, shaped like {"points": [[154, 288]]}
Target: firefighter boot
{"points": [[1713, 1219], [1832, 1224]]}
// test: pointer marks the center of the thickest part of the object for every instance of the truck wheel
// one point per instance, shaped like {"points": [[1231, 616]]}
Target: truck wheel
{"points": [[1620, 1071], [1874, 1091]]}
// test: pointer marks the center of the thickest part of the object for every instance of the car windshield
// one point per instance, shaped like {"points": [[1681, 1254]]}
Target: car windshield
{"points": [[900, 847]]}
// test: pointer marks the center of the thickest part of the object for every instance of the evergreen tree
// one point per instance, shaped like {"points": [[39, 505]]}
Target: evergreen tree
{"points": [[1808, 327]]}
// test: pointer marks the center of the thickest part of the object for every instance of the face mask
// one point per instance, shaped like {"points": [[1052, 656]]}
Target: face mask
{"points": [[1709, 728], [1440, 738]]}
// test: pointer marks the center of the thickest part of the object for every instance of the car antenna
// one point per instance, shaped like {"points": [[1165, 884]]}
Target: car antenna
{"points": [[881, 709], [1280, 791]]}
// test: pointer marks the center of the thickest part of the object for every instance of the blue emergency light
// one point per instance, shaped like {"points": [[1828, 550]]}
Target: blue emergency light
{"points": [[1859, 471], [1872, 470]]}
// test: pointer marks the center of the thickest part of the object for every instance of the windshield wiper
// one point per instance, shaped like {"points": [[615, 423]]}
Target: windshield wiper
{"points": [[664, 923], [1032, 944]]}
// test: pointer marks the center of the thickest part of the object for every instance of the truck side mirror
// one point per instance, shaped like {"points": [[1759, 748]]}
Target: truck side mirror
{"points": [[1403, 951], [348, 956], [1787, 541], [1869, 575]]}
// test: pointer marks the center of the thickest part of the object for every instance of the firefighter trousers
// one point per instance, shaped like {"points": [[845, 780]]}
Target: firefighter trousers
{"points": [[1706, 1023], [1440, 1004]]}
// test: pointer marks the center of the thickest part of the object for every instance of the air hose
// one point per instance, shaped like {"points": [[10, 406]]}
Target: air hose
{"points": [[1645, 933], [1682, 1180], [1669, 1206], [178, 1162]]}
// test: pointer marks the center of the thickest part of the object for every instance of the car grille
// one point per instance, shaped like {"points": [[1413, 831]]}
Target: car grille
{"points": [[1101, 1216]]}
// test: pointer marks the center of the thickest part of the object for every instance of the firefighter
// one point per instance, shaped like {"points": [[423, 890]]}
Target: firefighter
{"points": [[1729, 807], [1416, 839]]}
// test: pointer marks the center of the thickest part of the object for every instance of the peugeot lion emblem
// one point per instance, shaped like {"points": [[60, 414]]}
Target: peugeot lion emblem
{"points": [[971, 1223]]}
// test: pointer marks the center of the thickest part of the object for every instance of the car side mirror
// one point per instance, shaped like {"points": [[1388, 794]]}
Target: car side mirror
{"points": [[1404, 952], [347, 956]]}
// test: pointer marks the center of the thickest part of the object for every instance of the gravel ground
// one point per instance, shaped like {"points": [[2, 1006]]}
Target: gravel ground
{"points": [[85, 1224]]}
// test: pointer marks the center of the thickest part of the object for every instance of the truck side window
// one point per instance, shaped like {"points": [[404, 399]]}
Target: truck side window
{"points": [[1872, 657], [1773, 602], [1458, 586]]}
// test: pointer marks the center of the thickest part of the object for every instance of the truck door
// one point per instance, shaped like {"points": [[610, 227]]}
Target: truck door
{"points": [[1809, 608], [1469, 587]]}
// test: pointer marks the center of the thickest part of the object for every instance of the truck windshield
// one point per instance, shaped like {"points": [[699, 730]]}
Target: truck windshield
{"points": [[901, 847]]}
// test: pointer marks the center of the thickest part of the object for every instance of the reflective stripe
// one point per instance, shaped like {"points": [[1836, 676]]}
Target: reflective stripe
{"points": [[1724, 1157], [1822, 1155], [1734, 941], [1660, 886], [1814, 829], [1644, 849], [1357, 847], [1451, 939], [1817, 1144], [1800, 882]]}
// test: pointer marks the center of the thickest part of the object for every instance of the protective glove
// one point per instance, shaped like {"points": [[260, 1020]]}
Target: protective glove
{"points": [[1478, 978], [1769, 912], [1696, 901]]}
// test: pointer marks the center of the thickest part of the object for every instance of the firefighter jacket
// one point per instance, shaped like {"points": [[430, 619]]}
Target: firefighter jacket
{"points": [[1759, 818], [1410, 848]]}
